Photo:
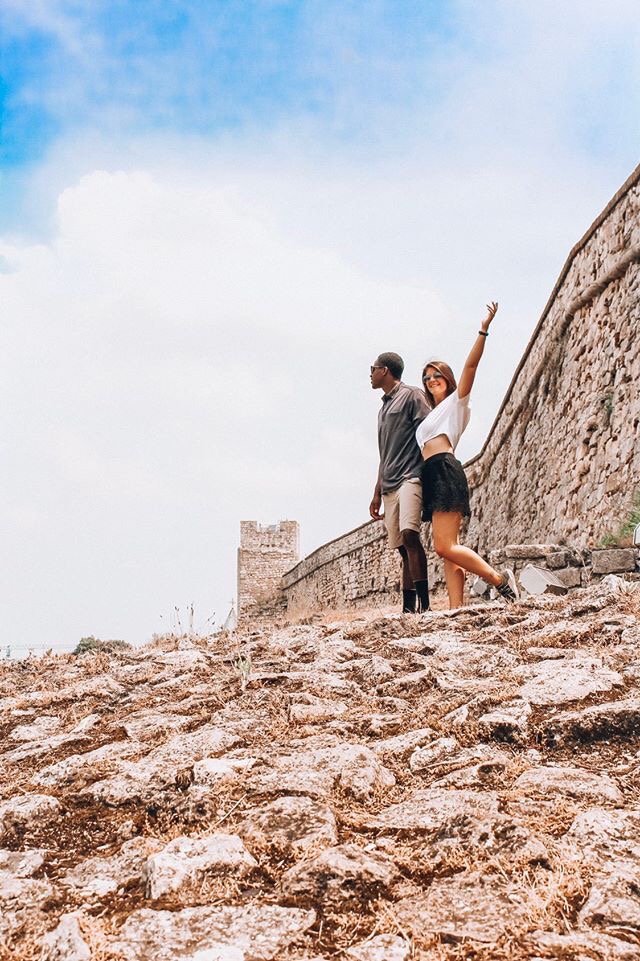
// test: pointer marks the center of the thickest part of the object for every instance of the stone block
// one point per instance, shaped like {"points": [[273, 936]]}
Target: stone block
{"points": [[479, 587], [537, 580], [530, 551], [570, 576], [557, 560], [613, 560]]}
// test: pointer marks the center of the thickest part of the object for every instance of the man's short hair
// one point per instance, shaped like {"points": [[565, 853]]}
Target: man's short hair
{"points": [[393, 362]]}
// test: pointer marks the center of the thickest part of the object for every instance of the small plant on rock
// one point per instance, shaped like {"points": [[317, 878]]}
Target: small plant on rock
{"points": [[622, 537], [94, 645]]}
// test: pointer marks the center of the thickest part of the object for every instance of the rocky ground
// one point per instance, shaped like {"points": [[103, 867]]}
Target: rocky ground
{"points": [[452, 785]]}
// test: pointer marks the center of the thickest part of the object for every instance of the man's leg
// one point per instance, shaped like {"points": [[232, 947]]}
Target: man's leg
{"points": [[410, 518], [408, 587], [417, 565], [392, 523]]}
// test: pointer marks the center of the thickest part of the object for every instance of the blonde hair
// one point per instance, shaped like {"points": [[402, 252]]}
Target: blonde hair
{"points": [[446, 372]]}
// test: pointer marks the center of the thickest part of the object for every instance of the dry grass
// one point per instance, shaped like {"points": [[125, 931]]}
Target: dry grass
{"points": [[260, 714]]}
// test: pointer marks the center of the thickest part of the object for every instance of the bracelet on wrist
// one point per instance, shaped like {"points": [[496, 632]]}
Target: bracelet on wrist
{"points": [[483, 333]]}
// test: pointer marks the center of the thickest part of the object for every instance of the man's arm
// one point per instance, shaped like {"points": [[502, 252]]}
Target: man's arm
{"points": [[376, 503], [419, 408]]}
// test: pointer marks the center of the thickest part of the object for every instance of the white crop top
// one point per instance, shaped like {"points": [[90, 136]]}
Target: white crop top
{"points": [[450, 418]]}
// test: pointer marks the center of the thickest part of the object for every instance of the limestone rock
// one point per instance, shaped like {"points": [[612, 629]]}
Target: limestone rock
{"points": [[354, 767], [424, 757], [182, 660], [402, 744], [41, 746], [261, 932], [437, 810], [384, 947], [185, 861], [65, 942], [613, 560], [606, 836], [413, 682], [570, 781], [98, 877], [582, 945], [510, 722], [341, 873], [44, 726], [144, 724], [557, 682], [614, 900], [21, 864], [160, 766], [86, 767], [316, 712], [459, 816], [290, 823], [16, 871], [470, 905], [27, 810], [595, 723], [212, 770], [87, 723], [215, 952], [376, 670], [474, 767]]}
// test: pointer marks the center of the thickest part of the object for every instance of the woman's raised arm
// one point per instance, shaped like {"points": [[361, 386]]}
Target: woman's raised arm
{"points": [[468, 374]]}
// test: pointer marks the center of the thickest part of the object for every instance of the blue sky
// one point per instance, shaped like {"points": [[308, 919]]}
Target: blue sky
{"points": [[207, 67], [213, 216]]}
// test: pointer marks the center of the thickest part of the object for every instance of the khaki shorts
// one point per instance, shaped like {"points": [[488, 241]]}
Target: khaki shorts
{"points": [[403, 510]]}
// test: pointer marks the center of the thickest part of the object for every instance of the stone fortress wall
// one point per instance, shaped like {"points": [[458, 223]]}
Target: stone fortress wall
{"points": [[264, 555], [561, 463], [562, 460]]}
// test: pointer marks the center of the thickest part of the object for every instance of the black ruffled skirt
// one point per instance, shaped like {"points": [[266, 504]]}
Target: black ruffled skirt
{"points": [[444, 486]]}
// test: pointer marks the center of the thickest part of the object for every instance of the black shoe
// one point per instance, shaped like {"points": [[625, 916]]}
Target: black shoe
{"points": [[508, 589], [408, 601]]}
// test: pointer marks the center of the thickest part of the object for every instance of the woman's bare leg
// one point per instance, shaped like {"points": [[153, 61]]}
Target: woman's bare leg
{"points": [[454, 576], [445, 527]]}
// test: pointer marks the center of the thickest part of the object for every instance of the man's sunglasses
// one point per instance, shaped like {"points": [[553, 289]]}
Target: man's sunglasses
{"points": [[377, 367]]}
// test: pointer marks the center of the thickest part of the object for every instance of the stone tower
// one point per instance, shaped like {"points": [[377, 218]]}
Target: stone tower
{"points": [[265, 553]]}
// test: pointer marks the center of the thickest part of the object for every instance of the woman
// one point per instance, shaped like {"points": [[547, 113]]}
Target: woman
{"points": [[444, 483]]}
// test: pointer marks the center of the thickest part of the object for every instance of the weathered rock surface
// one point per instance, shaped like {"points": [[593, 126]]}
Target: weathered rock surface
{"points": [[185, 861], [65, 943], [26, 810], [596, 723], [461, 783], [160, 766], [97, 877], [384, 947], [570, 781], [557, 682], [470, 905], [290, 824], [341, 873], [260, 932]]}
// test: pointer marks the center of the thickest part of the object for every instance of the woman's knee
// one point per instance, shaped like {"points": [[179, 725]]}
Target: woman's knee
{"points": [[442, 547]]}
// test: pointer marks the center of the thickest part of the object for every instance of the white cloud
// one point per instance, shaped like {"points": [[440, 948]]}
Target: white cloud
{"points": [[174, 363]]}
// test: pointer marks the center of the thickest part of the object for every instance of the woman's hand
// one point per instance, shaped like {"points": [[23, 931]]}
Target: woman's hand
{"points": [[492, 310]]}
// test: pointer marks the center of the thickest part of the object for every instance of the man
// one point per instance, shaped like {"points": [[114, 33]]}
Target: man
{"points": [[398, 484]]}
